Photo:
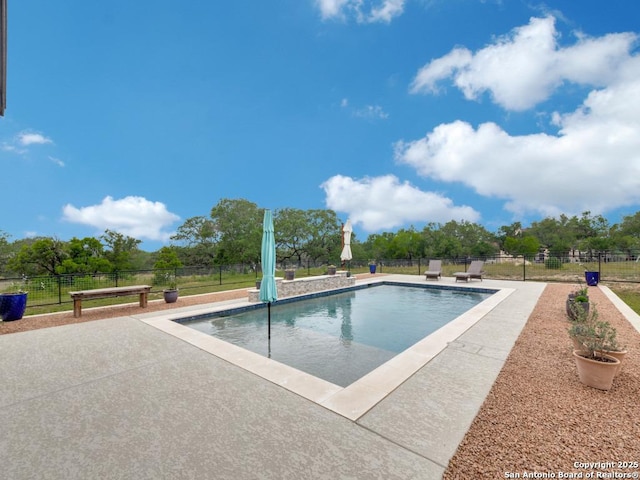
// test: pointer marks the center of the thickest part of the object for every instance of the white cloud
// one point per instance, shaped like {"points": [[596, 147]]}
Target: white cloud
{"points": [[136, 217], [57, 161], [593, 163], [364, 11], [387, 11], [384, 202], [524, 68], [371, 112], [331, 8], [31, 138]]}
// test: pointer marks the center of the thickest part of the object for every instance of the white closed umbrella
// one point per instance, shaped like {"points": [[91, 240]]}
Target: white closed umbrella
{"points": [[346, 235]]}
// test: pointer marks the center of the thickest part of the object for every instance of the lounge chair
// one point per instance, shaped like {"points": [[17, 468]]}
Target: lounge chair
{"points": [[435, 270], [474, 271]]}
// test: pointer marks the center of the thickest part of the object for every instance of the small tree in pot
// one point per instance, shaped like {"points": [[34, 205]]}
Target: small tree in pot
{"points": [[169, 262], [596, 366]]}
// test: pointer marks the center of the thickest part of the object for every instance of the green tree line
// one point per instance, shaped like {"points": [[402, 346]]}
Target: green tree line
{"points": [[232, 232]]}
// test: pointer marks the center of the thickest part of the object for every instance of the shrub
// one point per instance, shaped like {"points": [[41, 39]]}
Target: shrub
{"points": [[553, 263]]}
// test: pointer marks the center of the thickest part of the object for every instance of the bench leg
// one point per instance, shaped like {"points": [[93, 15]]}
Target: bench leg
{"points": [[77, 307], [143, 300]]}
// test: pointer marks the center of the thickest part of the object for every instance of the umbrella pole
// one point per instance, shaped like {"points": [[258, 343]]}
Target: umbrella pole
{"points": [[269, 320]]}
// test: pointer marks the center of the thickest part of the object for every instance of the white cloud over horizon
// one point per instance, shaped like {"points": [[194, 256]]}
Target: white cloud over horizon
{"points": [[384, 202], [591, 163], [133, 216], [597, 147], [364, 11]]}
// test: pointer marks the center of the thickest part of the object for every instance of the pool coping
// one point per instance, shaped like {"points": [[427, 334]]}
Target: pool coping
{"points": [[357, 399]]}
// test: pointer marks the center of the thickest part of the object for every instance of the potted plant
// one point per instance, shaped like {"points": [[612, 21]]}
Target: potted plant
{"points": [[171, 292], [579, 299], [289, 274], [167, 265], [13, 304], [331, 270], [596, 367]]}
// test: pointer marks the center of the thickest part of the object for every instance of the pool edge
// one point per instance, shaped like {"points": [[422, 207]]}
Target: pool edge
{"points": [[357, 399]]}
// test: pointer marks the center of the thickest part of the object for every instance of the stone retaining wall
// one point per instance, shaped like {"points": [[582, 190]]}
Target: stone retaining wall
{"points": [[303, 286]]}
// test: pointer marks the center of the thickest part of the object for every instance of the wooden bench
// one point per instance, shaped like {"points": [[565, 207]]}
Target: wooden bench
{"points": [[142, 290]]}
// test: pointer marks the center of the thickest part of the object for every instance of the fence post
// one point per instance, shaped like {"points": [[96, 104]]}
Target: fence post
{"points": [[524, 267], [116, 278], [418, 266], [59, 290], [220, 274], [600, 266]]}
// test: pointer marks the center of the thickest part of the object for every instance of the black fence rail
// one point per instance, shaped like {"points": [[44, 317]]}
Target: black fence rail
{"points": [[522, 268], [54, 289]]}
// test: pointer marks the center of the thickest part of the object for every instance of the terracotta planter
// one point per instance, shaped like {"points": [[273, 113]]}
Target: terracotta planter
{"points": [[619, 355], [331, 270], [289, 274], [594, 373]]}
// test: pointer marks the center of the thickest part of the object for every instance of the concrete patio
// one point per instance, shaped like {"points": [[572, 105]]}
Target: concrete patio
{"points": [[120, 398]]}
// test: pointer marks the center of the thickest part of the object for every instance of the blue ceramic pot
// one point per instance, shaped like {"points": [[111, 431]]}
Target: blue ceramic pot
{"points": [[592, 278], [12, 306]]}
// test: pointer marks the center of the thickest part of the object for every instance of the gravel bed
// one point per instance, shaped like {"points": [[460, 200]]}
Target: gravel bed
{"points": [[538, 418]]}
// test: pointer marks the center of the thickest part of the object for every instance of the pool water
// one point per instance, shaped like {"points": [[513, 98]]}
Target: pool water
{"points": [[344, 336]]}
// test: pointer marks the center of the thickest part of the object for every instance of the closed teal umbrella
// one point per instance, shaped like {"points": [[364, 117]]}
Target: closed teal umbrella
{"points": [[268, 291]]}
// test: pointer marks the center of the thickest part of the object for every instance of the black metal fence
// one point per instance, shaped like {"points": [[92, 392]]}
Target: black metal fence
{"points": [[610, 268], [54, 289]]}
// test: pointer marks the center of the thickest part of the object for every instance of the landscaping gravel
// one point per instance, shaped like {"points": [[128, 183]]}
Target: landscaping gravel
{"points": [[539, 419]]}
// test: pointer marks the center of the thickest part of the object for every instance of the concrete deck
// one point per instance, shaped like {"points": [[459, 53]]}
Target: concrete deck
{"points": [[125, 398]]}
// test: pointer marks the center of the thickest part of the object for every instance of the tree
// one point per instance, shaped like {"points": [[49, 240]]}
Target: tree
{"points": [[292, 234], [167, 259], [527, 245], [514, 231], [85, 256], [555, 234], [473, 239], [200, 237], [5, 250], [43, 255], [406, 244], [239, 227], [324, 241], [378, 245], [120, 250], [313, 235]]}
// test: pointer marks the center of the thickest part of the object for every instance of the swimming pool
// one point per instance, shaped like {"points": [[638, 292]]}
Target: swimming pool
{"points": [[342, 337]]}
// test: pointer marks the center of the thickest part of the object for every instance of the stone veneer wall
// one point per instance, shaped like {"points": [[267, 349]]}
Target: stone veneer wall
{"points": [[303, 286]]}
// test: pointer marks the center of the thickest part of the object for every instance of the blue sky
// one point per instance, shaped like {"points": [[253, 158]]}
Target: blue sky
{"points": [[134, 116]]}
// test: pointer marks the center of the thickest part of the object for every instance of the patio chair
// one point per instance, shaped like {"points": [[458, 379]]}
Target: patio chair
{"points": [[474, 271], [435, 270]]}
